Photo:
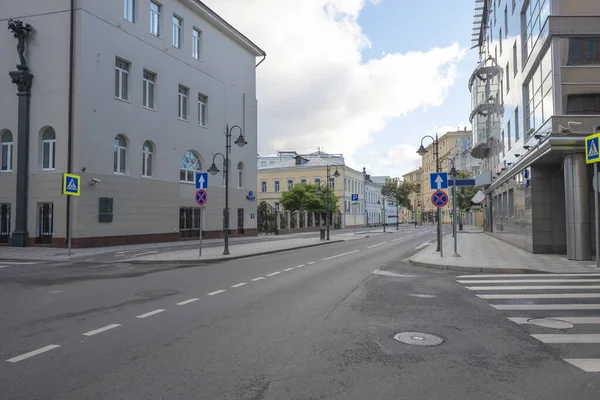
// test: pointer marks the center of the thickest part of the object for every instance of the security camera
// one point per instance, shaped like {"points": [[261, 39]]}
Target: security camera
{"points": [[94, 181]]}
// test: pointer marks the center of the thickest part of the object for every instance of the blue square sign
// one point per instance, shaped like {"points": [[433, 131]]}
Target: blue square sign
{"points": [[201, 180], [438, 180], [591, 149], [354, 196]]}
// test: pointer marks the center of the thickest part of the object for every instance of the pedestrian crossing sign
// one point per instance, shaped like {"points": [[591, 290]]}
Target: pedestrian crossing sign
{"points": [[71, 185], [591, 149]]}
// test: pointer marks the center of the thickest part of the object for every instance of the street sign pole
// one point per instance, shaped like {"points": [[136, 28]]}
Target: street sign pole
{"points": [[597, 221], [201, 226], [454, 219], [70, 227]]}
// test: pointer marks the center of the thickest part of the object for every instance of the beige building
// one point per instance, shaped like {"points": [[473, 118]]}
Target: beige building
{"points": [[415, 198], [447, 144], [275, 179]]}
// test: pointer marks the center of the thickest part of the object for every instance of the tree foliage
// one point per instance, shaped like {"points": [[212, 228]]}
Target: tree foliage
{"points": [[400, 191], [464, 194], [307, 197]]}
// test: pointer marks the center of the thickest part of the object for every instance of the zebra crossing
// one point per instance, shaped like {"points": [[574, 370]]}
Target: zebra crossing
{"points": [[559, 310]]}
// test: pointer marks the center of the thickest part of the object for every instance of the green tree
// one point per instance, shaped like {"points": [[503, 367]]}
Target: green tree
{"points": [[308, 197], [400, 191]]}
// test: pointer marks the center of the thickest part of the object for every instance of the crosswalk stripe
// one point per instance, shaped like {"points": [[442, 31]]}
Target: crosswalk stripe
{"points": [[586, 364], [520, 307], [572, 320], [540, 296], [548, 287], [560, 338], [532, 281], [520, 275]]}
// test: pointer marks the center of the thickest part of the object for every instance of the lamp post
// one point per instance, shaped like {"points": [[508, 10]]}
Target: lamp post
{"points": [[213, 170], [436, 153], [453, 175], [383, 211], [335, 175]]}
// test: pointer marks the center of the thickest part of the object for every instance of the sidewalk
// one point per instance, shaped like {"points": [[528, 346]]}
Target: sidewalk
{"points": [[480, 252]]}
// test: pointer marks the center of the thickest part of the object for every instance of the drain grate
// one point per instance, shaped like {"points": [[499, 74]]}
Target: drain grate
{"points": [[551, 323], [418, 339]]}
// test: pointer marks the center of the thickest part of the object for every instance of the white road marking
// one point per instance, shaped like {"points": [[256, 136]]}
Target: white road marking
{"points": [[340, 255], [151, 313], [258, 279], [145, 253], [555, 287], [90, 259], [410, 236], [533, 281], [395, 240], [519, 275], [100, 330], [273, 273], [215, 292], [300, 266], [239, 285], [311, 263], [568, 338], [515, 307], [424, 244], [19, 262], [4, 266], [541, 296], [586, 364], [376, 245], [33, 353], [288, 269], [182, 303], [572, 320]]}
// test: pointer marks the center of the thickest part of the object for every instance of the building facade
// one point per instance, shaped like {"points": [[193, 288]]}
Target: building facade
{"points": [[413, 215], [284, 155], [373, 208], [388, 206], [154, 88], [535, 96]]}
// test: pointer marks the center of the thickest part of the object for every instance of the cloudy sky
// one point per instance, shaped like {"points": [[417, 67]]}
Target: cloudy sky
{"points": [[367, 78]]}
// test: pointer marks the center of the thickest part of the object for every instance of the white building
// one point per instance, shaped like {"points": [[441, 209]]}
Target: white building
{"points": [[389, 208], [373, 207], [154, 86], [285, 155]]}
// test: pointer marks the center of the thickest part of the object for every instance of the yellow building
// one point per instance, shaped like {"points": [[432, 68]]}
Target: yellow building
{"points": [[415, 198], [447, 145], [279, 177]]}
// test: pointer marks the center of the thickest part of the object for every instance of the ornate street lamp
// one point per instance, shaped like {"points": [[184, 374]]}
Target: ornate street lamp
{"points": [[436, 153]]}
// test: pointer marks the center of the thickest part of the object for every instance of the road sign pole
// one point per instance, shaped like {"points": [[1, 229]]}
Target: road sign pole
{"points": [[201, 228], [596, 220], [70, 227], [454, 219]]}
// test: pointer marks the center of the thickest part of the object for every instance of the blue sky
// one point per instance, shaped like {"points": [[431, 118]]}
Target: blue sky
{"points": [[395, 26]]}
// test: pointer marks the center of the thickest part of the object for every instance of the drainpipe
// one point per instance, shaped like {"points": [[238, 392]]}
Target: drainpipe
{"points": [[70, 111]]}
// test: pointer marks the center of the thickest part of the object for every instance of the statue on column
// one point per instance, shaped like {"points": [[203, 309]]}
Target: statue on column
{"points": [[20, 32]]}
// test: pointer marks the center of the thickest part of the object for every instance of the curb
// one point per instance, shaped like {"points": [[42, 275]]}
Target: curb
{"points": [[475, 269], [221, 259]]}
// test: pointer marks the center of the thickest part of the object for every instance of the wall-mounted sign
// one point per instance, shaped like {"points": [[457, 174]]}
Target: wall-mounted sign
{"points": [[250, 196]]}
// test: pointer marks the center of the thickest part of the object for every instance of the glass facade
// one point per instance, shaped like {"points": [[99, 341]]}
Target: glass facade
{"points": [[539, 96], [534, 18]]}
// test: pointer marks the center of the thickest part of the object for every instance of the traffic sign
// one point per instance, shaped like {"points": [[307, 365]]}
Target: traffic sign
{"points": [[462, 182], [438, 180], [201, 180], [439, 198], [354, 196], [201, 197], [71, 185], [591, 149]]}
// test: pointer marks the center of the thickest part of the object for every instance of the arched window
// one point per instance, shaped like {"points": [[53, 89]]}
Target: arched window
{"points": [[147, 152], [48, 149], [6, 150], [240, 168], [120, 161], [188, 166]]}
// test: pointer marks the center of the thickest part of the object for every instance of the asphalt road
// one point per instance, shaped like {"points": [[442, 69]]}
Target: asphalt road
{"points": [[314, 323]]}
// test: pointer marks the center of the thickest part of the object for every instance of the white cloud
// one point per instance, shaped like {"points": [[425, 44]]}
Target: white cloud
{"points": [[314, 88]]}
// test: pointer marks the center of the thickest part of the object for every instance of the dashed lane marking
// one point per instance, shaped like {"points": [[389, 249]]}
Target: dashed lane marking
{"points": [[274, 273], [151, 313], [288, 269], [182, 303], [215, 292], [100, 330], [33, 353], [341, 255], [310, 263], [376, 245], [300, 266], [239, 285]]}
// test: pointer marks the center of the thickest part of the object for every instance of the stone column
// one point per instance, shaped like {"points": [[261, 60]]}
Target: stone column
{"points": [[577, 207], [23, 80]]}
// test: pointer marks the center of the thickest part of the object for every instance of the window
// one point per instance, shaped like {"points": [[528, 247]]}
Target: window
{"points": [[202, 109], [155, 10], [263, 186], [182, 103], [317, 181], [240, 168], [511, 203], [494, 12], [507, 78], [148, 89], [263, 163], [516, 124], [177, 25], [121, 79], [332, 183], [503, 144], [147, 152], [533, 19], [188, 166], [120, 160], [276, 186], [584, 51], [6, 151], [303, 181], [515, 69], [538, 93], [583, 104], [506, 20], [290, 184], [48, 149], [129, 10], [197, 44], [508, 134], [500, 40]]}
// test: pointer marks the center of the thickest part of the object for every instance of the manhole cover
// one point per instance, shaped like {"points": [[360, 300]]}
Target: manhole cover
{"points": [[423, 296], [418, 339], [157, 293], [550, 323]]}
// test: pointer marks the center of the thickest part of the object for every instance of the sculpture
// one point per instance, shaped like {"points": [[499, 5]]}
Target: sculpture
{"points": [[20, 32]]}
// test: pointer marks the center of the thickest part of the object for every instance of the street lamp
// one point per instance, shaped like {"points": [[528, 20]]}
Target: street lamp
{"points": [[453, 175], [213, 170], [383, 211], [436, 153], [335, 175]]}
